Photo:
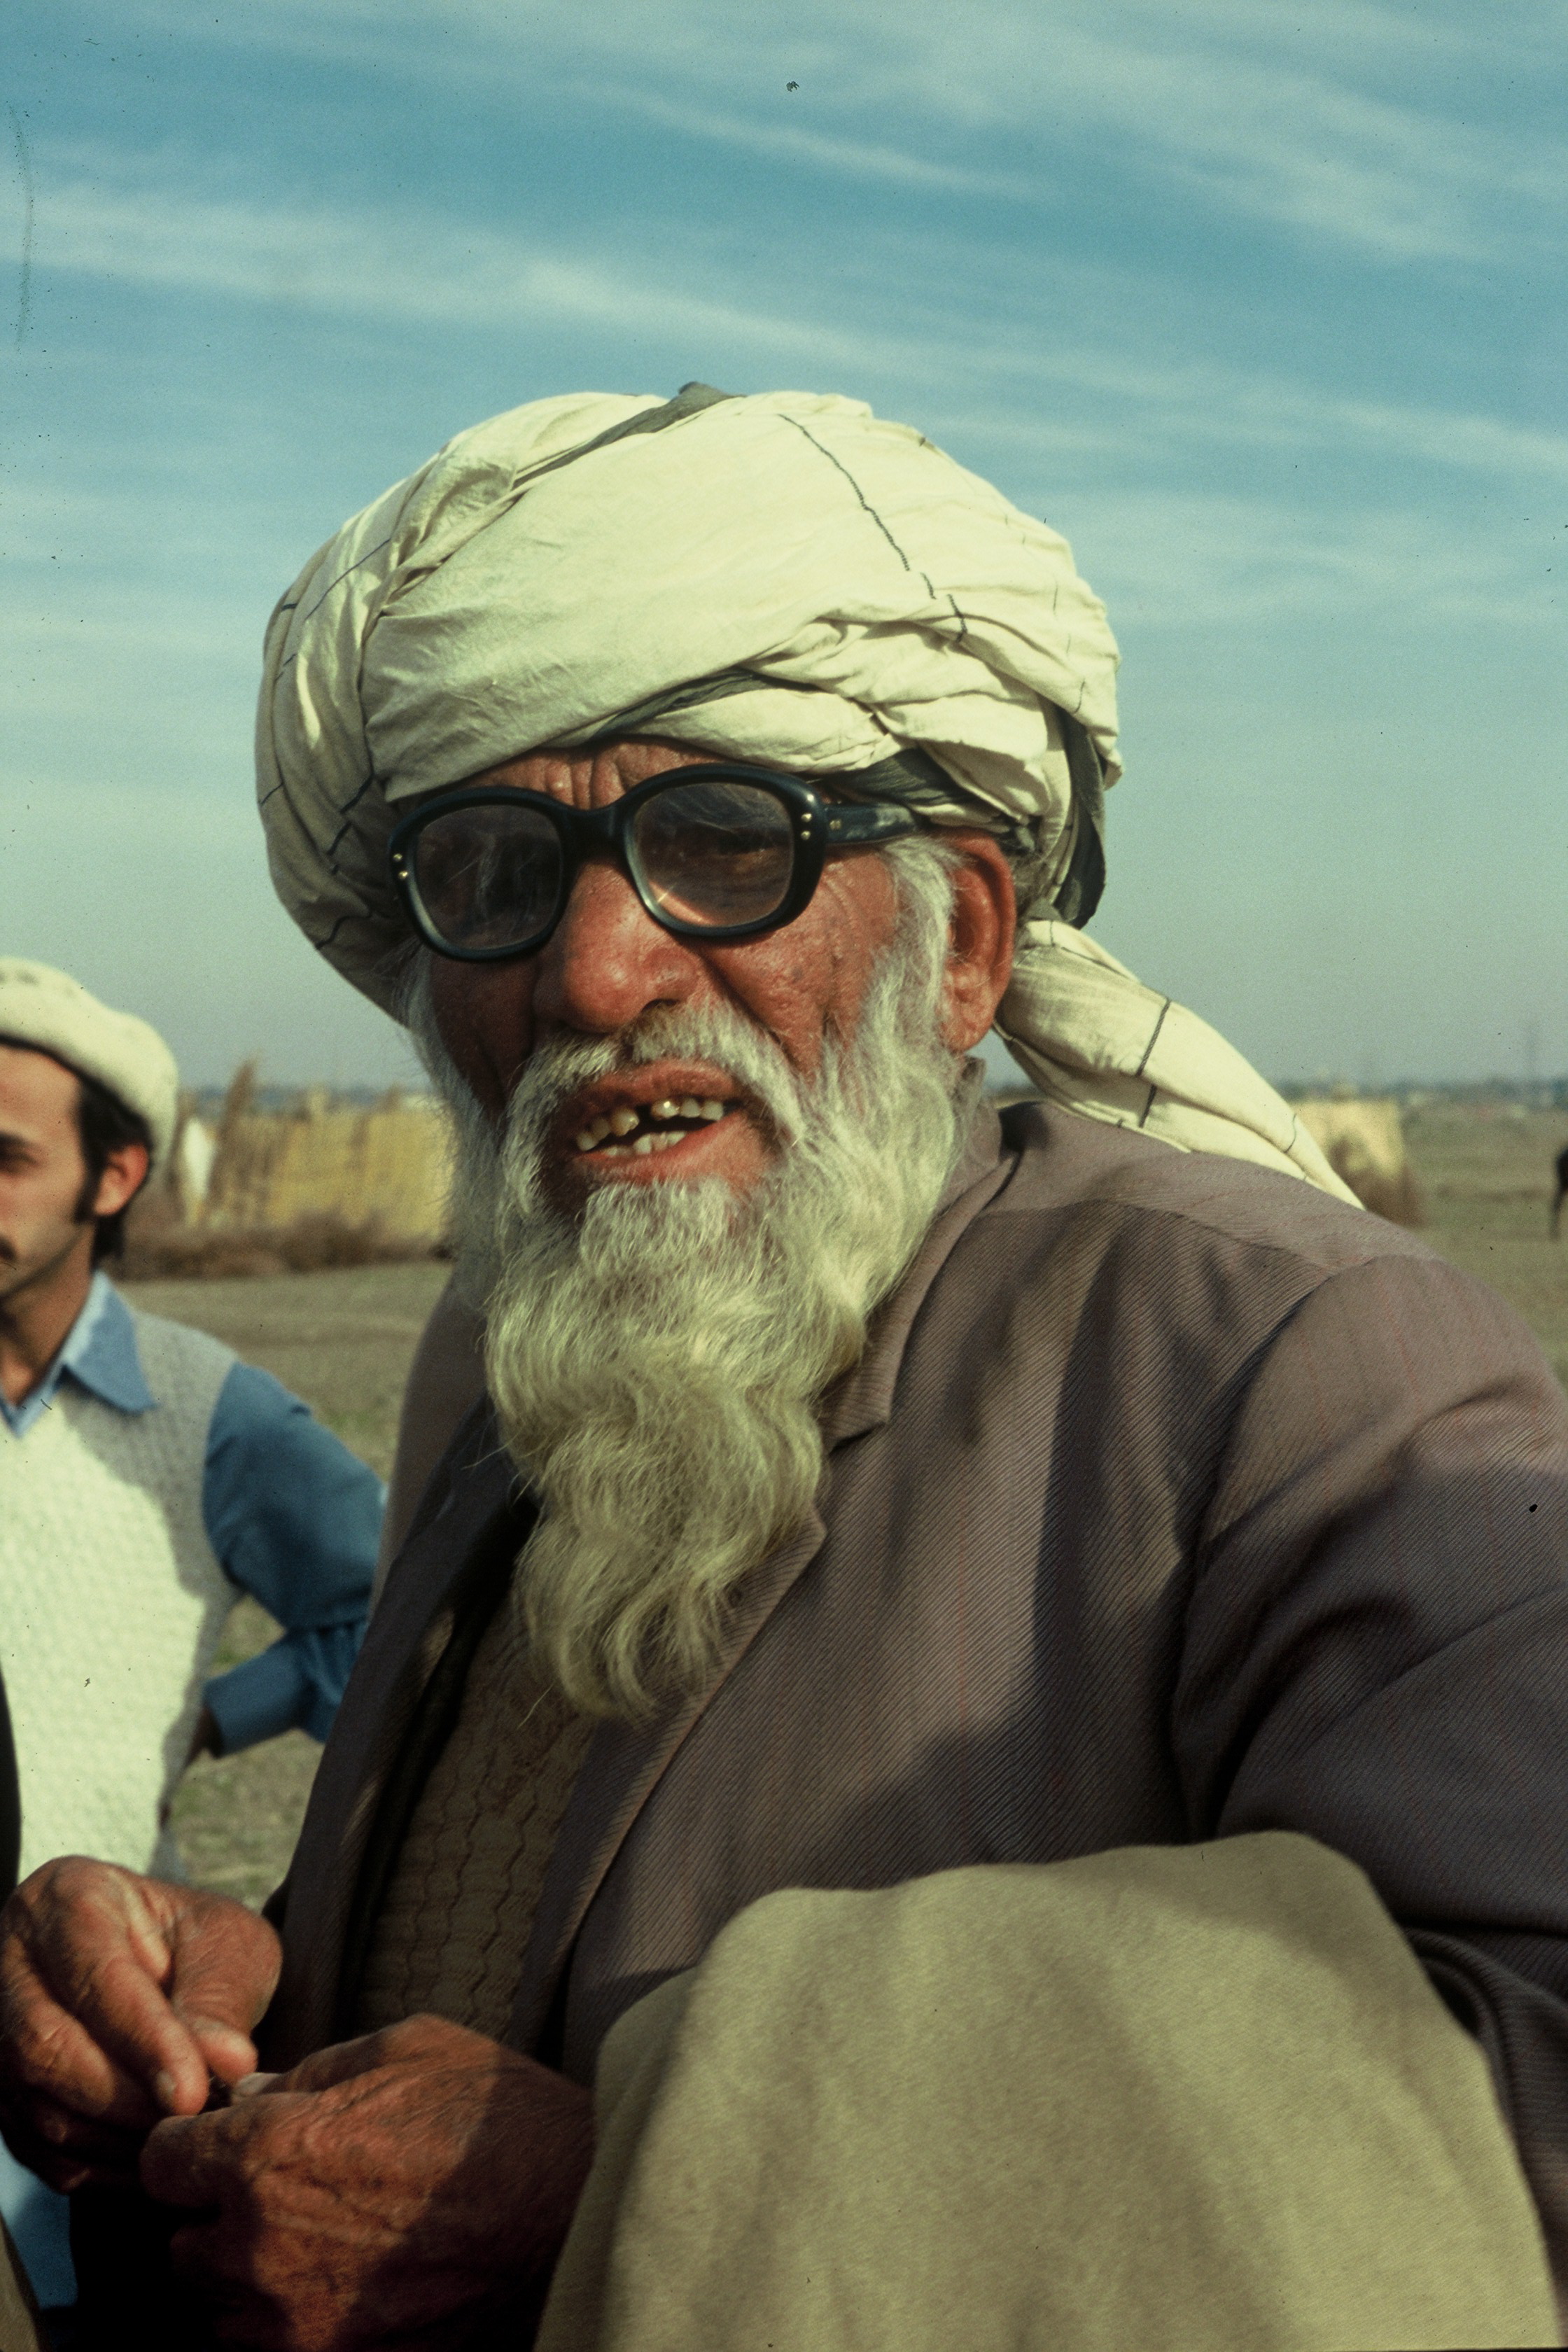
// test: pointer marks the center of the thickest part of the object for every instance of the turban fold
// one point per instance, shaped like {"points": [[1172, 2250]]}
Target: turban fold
{"points": [[782, 578]]}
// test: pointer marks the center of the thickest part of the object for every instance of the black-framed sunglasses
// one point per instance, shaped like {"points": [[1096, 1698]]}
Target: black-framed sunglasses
{"points": [[720, 851]]}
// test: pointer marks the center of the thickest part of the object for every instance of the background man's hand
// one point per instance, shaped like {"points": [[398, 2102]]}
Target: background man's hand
{"points": [[121, 1998], [412, 2186]]}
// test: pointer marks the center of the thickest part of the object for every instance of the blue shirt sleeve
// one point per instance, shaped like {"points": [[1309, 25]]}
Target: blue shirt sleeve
{"points": [[294, 1519]]}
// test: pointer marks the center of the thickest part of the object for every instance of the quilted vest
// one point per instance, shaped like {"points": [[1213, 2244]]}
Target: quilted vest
{"points": [[112, 1603]]}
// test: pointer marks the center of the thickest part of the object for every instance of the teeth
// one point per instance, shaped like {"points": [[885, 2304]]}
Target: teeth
{"points": [[625, 1120]]}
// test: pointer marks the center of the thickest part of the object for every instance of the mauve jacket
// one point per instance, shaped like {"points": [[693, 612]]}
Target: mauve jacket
{"points": [[1171, 1499]]}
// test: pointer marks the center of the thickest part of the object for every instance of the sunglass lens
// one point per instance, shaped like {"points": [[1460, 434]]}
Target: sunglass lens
{"points": [[715, 854], [489, 877]]}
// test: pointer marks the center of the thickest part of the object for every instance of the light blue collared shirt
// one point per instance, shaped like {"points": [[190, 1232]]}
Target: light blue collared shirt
{"points": [[293, 1518], [100, 1354]]}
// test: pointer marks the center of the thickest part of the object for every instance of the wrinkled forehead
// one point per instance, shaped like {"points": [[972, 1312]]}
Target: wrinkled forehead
{"points": [[591, 775]]}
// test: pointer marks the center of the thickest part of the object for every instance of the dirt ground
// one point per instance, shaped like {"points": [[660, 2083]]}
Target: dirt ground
{"points": [[342, 1341], [1486, 1173]]}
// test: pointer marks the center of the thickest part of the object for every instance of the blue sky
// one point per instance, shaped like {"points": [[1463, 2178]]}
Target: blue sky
{"points": [[1263, 307]]}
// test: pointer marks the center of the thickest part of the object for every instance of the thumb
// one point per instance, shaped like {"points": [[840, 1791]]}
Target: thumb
{"points": [[228, 2053]]}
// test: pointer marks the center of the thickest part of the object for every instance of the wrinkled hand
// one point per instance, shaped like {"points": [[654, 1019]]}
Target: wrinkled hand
{"points": [[119, 1998], [412, 2187]]}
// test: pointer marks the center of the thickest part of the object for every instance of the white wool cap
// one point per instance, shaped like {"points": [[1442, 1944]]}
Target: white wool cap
{"points": [[782, 577], [54, 1013]]}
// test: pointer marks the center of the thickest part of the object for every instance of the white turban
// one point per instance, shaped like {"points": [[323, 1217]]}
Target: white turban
{"points": [[784, 578], [55, 1014]]}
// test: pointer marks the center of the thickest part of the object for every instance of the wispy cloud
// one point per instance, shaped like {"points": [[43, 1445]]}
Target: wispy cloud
{"points": [[414, 266], [1261, 122], [383, 266], [1171, 561], [861, 159], [1249, 300], [1352, 124]]}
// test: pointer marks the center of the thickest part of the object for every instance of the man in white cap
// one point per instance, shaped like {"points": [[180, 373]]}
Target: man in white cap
{"points": [[146, 1478], [971, 1748]]}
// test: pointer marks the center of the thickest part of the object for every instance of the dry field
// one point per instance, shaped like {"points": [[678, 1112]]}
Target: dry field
{"points": [[1485, 1173], [342, 1341]]}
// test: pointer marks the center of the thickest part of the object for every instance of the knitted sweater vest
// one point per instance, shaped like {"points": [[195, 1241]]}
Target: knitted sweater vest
{"points": [[112, 1603], [458, 1910]]}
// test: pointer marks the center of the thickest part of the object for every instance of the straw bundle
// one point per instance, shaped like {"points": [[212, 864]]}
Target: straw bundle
{"points": [[389, 1167]]}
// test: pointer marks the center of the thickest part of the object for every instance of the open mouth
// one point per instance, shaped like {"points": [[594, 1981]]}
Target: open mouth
{"points": [[637, 1130]]}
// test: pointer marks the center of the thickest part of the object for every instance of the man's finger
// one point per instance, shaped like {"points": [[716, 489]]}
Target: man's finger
{"points": [[224, 1971], [48, 2049], [174, 1998], [129, 2019], [87, 1962], [121, 1999], [229, 2054]]}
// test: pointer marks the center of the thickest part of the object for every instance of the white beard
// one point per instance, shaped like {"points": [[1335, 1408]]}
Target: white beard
{"points": [[656, 1367]]}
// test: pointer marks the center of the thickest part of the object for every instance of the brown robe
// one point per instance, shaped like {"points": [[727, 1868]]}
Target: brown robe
{"points": [[1171, 1499]]}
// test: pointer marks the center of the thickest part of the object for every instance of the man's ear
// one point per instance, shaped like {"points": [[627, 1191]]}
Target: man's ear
{"points": [[124, 1173], [981, 933]]}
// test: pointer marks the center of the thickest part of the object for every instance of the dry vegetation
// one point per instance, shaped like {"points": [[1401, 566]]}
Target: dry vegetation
{"points": [[310, 1245], [321, 1183], [343, 1339], [279, 1169]]}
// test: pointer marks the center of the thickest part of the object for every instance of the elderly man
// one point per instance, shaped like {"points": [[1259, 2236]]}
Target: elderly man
{"points": [[997, 1690]]}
